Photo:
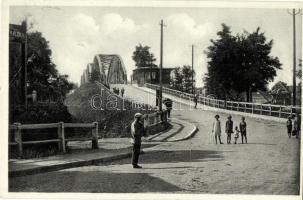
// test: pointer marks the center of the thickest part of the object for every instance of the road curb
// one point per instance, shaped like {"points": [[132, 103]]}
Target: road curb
{"points": [[43, 169], [188, 136]]}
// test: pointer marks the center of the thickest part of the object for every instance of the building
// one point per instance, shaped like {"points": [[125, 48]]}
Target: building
{"points": [[142, 75], [261, 97]]}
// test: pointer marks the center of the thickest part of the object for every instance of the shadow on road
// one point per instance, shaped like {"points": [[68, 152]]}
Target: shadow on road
{"points": [[178, 156], [90, 181]]}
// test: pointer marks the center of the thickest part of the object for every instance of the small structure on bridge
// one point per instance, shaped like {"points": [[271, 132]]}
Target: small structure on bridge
{"points": [[105, 68], [142, 75]]}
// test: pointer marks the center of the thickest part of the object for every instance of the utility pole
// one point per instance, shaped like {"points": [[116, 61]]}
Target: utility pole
{"points": [[150, 66], [294, 13], [192, 68], [24, 58], [161, 63]]}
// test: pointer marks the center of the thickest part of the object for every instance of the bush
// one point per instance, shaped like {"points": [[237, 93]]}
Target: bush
{"points": [[37, 114], [40, 113]]}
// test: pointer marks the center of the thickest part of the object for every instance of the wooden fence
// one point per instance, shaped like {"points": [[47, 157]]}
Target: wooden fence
{"points": [[16, 129], [61, 140], [253, 108]]}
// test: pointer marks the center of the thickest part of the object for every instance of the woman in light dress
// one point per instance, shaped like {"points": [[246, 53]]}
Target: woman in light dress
{"points": [[217, 129]]}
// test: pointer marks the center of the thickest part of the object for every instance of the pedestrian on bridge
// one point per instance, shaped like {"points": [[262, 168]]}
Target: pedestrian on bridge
{"points": [[229, 128], [289, 126], [137, 131], [196, 100], [122, 91], [217, 129]]}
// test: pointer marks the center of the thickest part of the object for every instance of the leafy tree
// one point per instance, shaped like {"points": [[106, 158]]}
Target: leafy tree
{"points": [[187, 83], [182, 79], [142, 56], [42, 76], [176, 81], [42, 73], [240, 63]]}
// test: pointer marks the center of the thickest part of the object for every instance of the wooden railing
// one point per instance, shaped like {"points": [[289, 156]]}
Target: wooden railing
{"points": [[253, 108], [61, 140]]}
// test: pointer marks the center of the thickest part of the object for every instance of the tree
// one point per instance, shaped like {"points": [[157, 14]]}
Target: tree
{"points": [[187, 73], [240, 63], [42, 73], [177, 78], [182, 79], [142, 57]]}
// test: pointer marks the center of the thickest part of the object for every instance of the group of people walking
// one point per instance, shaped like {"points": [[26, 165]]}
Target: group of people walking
{"points": [[117, 91], [229, 130]]}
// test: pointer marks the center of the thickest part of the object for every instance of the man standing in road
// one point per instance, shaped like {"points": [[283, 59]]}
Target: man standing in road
{"points": [[137, 131]]}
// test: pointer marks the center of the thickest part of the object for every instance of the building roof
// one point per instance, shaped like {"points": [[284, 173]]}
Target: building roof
{"points": [[280, 87]]}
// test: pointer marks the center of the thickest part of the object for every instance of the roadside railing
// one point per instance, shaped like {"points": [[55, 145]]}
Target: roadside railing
{"points": [[253, 108], [155, 118], [17, 128]]}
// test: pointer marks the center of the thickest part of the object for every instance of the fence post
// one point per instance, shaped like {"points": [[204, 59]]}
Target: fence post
{"points": [[280, 110], [18, 139], [95, 136], [61, 137], [270, 110], [238, 106], [245, 107], [252, 108]]}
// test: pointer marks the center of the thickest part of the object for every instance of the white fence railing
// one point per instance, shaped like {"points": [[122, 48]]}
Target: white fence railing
{"points": [[17, 128], [253, 108]]}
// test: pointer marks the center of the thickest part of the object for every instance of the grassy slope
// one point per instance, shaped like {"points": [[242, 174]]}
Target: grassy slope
{"points": [[112, 122]]}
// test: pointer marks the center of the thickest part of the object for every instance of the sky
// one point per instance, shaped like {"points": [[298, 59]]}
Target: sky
{"points": [[77, 34]]}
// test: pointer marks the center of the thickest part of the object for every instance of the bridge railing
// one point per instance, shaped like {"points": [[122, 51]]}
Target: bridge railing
{"points": [[16, 137], [280, 111]]}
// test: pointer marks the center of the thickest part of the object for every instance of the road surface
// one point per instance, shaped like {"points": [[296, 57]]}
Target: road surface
{"points": [[268, 164]]}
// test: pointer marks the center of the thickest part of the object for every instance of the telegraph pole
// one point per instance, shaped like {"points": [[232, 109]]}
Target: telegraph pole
{"points": [[150, 66], [192, 68], [294, 13], [161, 63]]}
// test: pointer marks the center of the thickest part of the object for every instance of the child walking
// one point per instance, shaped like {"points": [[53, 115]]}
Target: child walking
{"points": [[236, 134]]}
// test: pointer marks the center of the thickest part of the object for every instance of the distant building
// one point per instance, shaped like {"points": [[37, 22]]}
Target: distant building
{"points": [[283, 94], [261, 97], [200, 90], [142, 75]]}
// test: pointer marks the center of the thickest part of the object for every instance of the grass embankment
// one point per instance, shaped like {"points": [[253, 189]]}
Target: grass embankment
{"points": [[85, 106]]}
